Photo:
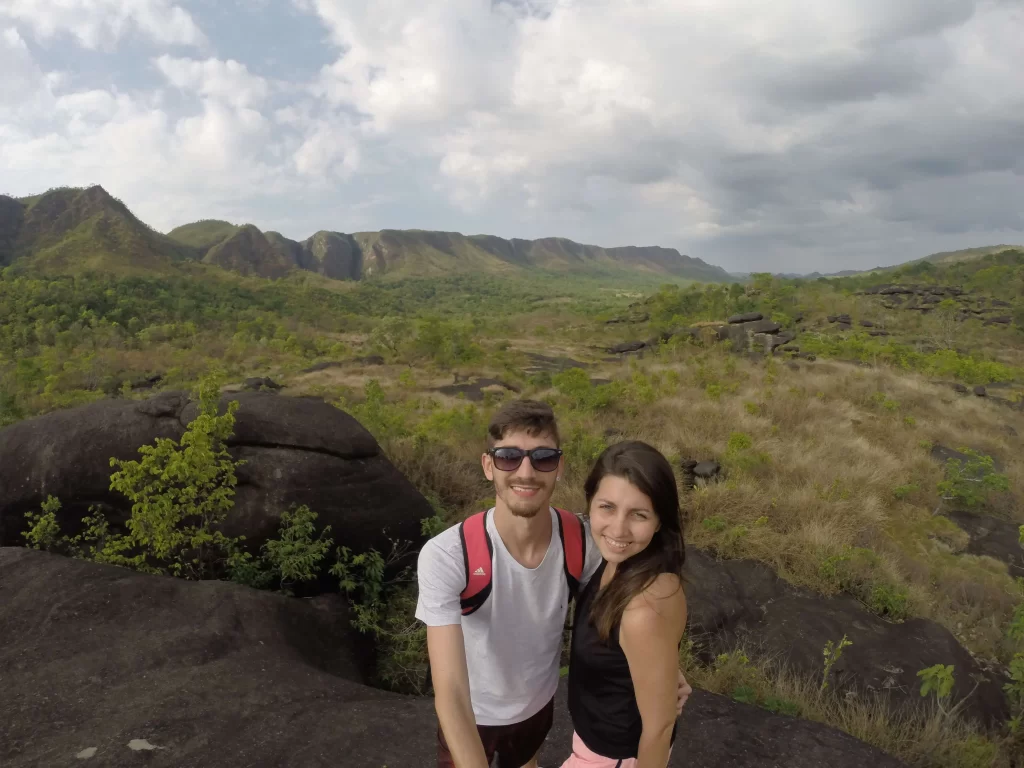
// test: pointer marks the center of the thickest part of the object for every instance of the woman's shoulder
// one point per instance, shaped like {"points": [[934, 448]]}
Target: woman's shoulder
{"points": [[662, 599]]}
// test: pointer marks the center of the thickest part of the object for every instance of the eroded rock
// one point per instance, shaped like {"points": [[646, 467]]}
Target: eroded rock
{"points": [[297, 451], [218, 674], [742, 602]]}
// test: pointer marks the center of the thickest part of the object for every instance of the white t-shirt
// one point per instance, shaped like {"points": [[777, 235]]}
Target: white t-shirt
{"points": [[514, 641]]}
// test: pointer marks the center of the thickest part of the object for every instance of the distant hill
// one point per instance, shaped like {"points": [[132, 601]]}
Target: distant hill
{"points": [[942, 258], [968, 254], [75, 229], [80, 229]]}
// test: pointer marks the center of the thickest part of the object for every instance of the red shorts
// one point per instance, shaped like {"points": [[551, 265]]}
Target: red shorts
{"points": [[515, 745]]}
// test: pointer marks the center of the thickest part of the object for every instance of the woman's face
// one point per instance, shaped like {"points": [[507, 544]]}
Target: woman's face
{"points": [[622, 519]]}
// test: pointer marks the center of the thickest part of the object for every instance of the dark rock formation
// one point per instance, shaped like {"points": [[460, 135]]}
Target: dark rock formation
{"points": [[998, 539], [627, 346], [746, 317], [256, 383], [210, 673], [473, 390], [739, 601], [369, 360], [707, 471], [249, 252], [332, 254], [297, 451]]}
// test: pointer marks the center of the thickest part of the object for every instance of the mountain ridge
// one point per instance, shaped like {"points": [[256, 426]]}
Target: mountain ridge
{"points": [[68, 228]]}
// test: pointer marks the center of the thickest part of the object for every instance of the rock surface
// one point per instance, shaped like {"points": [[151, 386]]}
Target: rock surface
{"points": [[742, 602], [297, 451], [992, 537], [137, 669]]}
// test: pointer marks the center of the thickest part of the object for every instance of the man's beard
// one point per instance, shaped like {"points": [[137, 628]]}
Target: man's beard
{"points": [[525, 508]]}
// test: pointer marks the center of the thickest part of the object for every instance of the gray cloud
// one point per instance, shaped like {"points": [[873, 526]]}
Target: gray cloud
{"points": [[781, 136]]}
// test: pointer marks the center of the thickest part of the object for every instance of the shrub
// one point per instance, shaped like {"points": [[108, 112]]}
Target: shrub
{"points": [[832, 654], [969, 483], [44, 530], [179, 493], [296, 555]]}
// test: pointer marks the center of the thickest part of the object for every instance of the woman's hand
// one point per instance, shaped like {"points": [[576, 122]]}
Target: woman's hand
{"points": [[682, 694]]}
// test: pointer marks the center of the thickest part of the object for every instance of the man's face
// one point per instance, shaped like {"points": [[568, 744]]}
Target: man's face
{"points": [[524, 490]]}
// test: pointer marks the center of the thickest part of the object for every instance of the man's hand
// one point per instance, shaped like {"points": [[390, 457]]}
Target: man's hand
{"points": [[683, 693]]}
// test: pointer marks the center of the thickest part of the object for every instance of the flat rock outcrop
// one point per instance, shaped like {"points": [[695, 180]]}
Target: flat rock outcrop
{"points": [[95, 658]]}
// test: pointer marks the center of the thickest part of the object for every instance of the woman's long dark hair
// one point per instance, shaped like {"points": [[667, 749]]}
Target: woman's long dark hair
{"points": [[646, 468]]}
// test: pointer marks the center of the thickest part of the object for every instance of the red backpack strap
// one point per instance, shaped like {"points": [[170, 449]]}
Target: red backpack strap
{"points": [[574, 548], [477, 551]]}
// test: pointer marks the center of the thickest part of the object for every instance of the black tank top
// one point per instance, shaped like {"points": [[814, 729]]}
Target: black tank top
{"points": [[602, 701]]}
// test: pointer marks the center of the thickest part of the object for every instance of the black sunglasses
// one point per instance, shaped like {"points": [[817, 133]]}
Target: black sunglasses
{"points": [[543, 459]]}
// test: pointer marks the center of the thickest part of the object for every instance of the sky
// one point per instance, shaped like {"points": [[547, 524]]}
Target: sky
{"points": [[784, 136]]}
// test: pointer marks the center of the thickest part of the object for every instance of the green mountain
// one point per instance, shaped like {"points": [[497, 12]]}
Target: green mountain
{"points": [[969, 254], [942, 258], [75, 230]]}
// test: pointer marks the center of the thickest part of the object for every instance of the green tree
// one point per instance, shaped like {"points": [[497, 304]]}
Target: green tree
{"points": [[180, 492]]}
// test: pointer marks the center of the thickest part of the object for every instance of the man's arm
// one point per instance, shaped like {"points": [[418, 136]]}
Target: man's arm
{"points": [[447, 651], [440, 574]]}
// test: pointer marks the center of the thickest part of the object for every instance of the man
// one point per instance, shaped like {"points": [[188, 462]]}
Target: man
{"points": [[495, 670]]}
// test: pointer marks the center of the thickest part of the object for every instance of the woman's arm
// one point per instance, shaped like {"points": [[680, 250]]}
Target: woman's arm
{"points": [[649, 634]]}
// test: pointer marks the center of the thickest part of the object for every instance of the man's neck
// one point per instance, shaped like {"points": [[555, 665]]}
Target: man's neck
{"points": [[526, 538]]}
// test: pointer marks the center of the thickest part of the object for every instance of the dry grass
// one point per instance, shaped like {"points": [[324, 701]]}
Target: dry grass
{"points": [[927, 738], [838, 459]]}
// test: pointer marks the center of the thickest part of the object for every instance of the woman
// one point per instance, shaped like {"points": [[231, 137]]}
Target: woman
{"points": [[631, 615]]}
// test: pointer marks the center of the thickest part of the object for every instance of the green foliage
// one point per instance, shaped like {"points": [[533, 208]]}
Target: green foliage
{"points": [[943, 363], [715, 524], [969, 483], [575, 384], [856, 570], [383, 419], [886, 402], [901, 492], [390, 334], [937, 679], [44, 530], [738, 442], [889, 601], [739, 454], [180, 492], [582, 448], [832, 654], [296, 555], [1015, 692]]}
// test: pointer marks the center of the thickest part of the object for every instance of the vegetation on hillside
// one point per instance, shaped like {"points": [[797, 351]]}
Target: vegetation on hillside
{"points": [[828, 476]]}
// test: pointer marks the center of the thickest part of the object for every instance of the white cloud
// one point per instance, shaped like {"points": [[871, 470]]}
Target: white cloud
{"points": [[226, 81], [759, 134], [101, 23], [731, 118]]}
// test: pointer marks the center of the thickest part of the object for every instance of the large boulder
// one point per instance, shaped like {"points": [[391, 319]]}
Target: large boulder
{"points": [[135, 669], [741, 602], [296, 451]]}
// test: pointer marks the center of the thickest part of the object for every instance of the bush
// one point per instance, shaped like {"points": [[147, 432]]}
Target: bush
{"points": [[969, 483], [295, 556], [179, 493]]}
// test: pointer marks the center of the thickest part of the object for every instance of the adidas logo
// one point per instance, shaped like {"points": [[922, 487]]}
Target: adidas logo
{"points": [[479, 572]]}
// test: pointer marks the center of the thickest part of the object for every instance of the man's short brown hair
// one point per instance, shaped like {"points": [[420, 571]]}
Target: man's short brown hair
{"points": [[530, 416]]}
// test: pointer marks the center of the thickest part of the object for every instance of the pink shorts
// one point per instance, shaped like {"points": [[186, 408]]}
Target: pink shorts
{"points": [[582, 757]]}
